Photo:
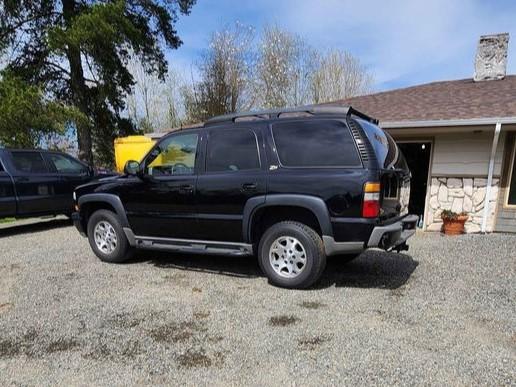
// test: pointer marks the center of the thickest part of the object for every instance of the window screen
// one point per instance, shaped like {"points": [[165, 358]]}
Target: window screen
{"points": [[232, 150], [30, 162], [321, 143]]}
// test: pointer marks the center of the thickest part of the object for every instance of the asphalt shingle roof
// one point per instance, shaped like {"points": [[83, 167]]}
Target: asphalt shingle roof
{"points": [[446, 100]]}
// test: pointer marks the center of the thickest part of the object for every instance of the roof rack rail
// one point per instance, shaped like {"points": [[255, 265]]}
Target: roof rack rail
{"points": [[277, 113]]}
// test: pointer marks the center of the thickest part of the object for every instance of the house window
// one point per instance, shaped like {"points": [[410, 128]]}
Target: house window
{"points": [[511, 196]]}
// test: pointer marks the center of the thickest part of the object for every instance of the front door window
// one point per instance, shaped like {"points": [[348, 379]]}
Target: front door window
{"points": [[173, 156]]}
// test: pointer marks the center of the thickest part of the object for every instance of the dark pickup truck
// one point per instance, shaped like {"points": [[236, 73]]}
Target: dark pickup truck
{"points": [[39, 183]]}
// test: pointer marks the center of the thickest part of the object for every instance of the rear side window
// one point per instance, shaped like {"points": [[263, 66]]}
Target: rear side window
{"points": [[29, 162], [321, 143], [232, 150], [65, 164]]}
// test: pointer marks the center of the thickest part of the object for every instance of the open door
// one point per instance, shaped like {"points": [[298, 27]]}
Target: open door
{"points": [[417, 155]]}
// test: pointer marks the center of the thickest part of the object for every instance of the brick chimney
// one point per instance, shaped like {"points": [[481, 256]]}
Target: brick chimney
{"points": [[491, 58]]}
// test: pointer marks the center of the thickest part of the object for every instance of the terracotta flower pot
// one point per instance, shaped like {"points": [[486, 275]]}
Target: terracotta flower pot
{"points": [[454, 226]]}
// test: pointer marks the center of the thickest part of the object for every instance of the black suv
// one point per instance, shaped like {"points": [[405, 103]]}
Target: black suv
{"points": [[292, 186]]}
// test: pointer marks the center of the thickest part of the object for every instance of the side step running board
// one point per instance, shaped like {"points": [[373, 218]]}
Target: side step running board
{"points": [[193, 246]]}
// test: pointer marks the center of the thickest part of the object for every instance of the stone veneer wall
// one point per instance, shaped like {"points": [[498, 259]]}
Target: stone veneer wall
{"points": [[461, 194]]}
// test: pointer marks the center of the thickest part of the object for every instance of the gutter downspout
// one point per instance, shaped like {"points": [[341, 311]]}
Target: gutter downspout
{"points": [[487, 199]]}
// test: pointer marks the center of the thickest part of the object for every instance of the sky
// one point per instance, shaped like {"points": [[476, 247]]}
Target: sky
{"points": [[401, 42]]}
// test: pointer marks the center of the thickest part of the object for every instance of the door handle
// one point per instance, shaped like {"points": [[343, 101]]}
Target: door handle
{"points": [[186, 188], [249, 186]]}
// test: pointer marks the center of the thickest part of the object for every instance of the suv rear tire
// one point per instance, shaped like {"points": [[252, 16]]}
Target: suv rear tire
{"points": [[291, 254], [107, 238]]}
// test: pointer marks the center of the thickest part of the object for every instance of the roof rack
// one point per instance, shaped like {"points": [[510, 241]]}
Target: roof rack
{"points": [[288, 112]]}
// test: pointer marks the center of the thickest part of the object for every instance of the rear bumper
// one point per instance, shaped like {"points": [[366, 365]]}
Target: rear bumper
{"points": [[77, 222], [393, 235]]}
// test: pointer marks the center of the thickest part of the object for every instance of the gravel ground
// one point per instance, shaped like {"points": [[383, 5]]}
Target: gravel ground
{"points": [[442, 314]]}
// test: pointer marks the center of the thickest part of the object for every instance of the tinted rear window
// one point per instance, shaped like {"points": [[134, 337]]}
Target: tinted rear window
{"points": [[321, 143], [30, 162], [232, 150]]}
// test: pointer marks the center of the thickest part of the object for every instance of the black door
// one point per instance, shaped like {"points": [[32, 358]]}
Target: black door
{"points": [[35, 184], [71, 173], [7, 198], [232, 175], [162, 202]]}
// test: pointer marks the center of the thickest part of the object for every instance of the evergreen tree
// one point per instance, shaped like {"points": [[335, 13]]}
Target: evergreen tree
{"points": [[78, 51]]}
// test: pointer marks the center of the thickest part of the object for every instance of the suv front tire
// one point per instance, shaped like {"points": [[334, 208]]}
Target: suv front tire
{"points": [[291, 254], [107, 238]]}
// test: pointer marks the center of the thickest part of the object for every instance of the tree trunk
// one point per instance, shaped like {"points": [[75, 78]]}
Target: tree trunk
{"points": [[78, 88]]}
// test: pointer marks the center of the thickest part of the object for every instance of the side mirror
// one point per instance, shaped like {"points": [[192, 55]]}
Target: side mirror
{"points": [[132, 167], [91, 170]]}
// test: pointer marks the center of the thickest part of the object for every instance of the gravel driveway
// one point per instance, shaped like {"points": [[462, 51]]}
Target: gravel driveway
{"points": [[443, 314]]}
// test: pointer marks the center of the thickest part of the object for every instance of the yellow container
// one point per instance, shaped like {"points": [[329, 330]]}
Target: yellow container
{"points": [[131, 148]]}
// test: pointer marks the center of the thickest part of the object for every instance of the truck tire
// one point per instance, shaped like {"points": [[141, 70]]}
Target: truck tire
{"points": [[291, 255], [107, 238]]}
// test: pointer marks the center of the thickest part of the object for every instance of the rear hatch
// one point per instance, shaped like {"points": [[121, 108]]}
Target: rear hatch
{"points": [[394, 174]]}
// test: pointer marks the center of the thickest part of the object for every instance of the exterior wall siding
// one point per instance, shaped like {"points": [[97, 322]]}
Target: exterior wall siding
{"points": [[466, 154]]}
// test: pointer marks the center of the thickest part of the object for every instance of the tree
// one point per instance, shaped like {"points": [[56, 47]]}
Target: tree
{"points": [[285, 64], [26, 117], [224, 76], [79, 49], [154, 105], [339, 75]]}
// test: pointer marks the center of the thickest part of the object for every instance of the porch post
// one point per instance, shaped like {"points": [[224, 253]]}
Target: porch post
{"points": [[487, 199]]}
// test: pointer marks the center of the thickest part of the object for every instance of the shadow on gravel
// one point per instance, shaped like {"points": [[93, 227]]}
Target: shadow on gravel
{"points": [[44, 225], [372, 269], [246, 267]]}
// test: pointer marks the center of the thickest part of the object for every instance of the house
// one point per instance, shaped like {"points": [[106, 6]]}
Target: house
{"points": [[459, 140]]}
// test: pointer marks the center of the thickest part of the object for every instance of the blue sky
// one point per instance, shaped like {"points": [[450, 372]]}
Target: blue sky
{"points": [[402, 42]]}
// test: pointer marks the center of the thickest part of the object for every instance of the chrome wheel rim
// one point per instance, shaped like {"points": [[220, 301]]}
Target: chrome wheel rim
{"points": [[287, 256], [105, 237]]}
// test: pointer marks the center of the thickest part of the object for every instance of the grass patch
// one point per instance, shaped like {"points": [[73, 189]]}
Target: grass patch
{"points": [[310, 343], [176, 332], [7, 220], [194, 359], [312, 305], [283, 321]]}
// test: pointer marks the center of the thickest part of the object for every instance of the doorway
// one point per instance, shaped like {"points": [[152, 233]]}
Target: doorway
{"points": [[417, 155]]}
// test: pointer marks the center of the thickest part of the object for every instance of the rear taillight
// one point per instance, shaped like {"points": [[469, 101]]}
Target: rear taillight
{"points": [[371, 206]]}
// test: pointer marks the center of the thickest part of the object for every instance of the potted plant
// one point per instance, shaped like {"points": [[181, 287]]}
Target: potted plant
{"points": [[453, 223]]}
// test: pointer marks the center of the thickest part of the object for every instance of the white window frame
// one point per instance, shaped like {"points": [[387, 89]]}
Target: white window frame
{"points": [[509, 177]]}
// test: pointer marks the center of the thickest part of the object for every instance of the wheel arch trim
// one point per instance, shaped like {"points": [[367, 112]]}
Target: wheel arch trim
{"points": [[113, 200], [312, 203]]}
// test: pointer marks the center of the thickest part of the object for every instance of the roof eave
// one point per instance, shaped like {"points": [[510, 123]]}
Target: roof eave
{"points": [[443, 123]]}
